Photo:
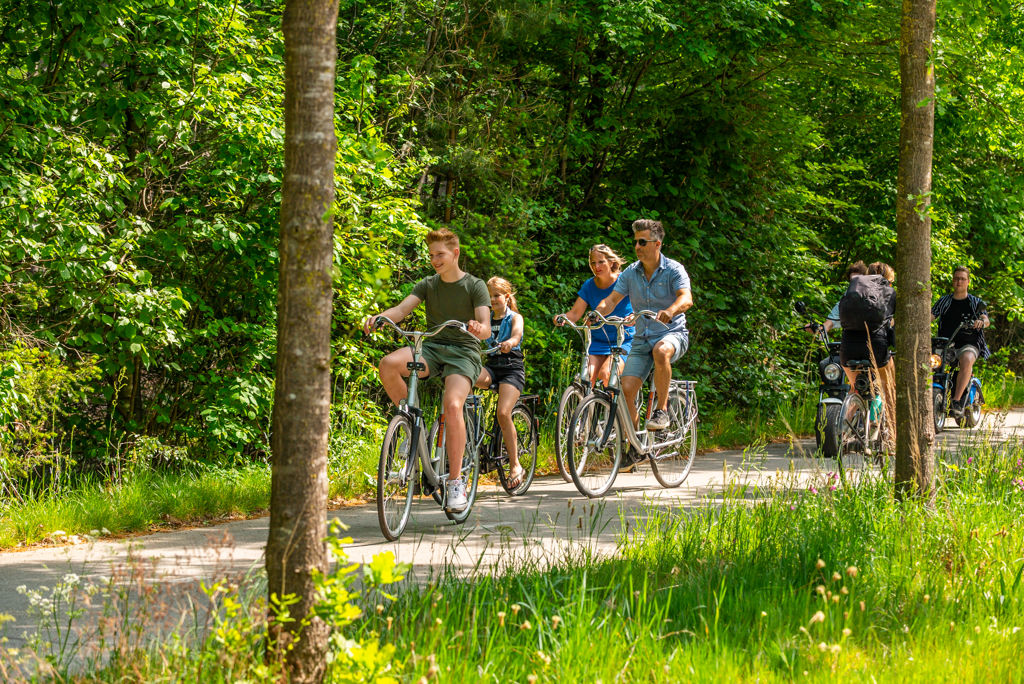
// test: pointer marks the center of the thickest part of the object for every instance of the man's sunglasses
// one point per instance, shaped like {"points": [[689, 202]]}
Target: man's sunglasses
{"points": [[643, 242]]}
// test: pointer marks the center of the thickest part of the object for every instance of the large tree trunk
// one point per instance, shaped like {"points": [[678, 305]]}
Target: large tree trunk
{"points": [[915, 465], [298, 499]]}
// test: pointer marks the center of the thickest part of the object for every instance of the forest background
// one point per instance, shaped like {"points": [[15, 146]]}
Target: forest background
{"points": [[141, 153]]}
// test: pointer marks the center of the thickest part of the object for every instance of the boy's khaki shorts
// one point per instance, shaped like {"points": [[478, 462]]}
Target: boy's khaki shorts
{"points": [[450, 359]]}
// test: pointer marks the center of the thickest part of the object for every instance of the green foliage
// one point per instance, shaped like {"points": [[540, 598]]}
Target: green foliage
{"points": [[141, 160]]}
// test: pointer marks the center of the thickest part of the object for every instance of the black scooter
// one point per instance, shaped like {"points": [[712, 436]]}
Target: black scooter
{"points": [[831, 391]]}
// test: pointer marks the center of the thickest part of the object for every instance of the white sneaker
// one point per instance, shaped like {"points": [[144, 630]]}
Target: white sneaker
{"points": [[456, 499]]}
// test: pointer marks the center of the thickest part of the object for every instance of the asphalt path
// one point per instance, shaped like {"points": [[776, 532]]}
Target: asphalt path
{"points": [[550, 524]]}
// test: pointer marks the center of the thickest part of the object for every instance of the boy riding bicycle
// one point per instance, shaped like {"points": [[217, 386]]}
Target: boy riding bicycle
{"points": [[450, 293]]}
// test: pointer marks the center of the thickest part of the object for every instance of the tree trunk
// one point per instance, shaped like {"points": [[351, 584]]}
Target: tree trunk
{"points": [[915, 465], [298, 498]]}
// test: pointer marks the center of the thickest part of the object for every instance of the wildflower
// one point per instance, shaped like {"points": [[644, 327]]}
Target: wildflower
{"points": [[515, 609], [862, 607], [970, 460], [852, 571], [532, 679], [501, 618], [817, 617], [822, 647], [675, 570], [952, 626], [847, 631], [844, 591], [544, 656], [836, 577], [812, 490], [390, 620], [526, 625], [977, 629], [555, 621], [764, 614], [437, 621], [926, 598], [380, 608], [835, 599], [835, 649], [820, 564], [820, 589]]}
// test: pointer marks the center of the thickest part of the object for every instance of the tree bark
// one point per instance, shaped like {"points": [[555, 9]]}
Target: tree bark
{"points": [[915, 464], [298, 500]]}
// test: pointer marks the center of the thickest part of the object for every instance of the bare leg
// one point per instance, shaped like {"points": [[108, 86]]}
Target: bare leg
{"points": [[508, 395], [662, 354], [484, 381], [963, 378], [394, 370], [456, 389], [600, 368], [630, 388]]}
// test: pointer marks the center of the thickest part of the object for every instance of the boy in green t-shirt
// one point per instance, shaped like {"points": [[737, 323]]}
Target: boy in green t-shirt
{"points": [[449, 294]]}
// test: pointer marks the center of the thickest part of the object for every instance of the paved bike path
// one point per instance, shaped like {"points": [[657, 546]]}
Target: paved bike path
{"points": [[550, 523]]}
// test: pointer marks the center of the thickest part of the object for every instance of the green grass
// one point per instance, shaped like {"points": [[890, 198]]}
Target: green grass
{"points": [[735, 592]]}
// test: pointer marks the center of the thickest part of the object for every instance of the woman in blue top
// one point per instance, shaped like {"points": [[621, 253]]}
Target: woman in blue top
{"points": [[606, 266]]}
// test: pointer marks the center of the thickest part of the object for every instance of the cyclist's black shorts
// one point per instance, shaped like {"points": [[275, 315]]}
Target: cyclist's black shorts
{"points": [[514, 375]]}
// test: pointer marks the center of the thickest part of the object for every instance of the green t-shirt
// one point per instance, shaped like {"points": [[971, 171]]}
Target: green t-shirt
{"points": [[446, 301]]}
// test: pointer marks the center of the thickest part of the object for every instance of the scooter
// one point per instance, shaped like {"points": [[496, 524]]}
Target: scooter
{"points": [[831, 391], [945, 369]]}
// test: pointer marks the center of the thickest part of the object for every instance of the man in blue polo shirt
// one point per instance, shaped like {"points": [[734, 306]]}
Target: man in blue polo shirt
{"points": [[661, 284]]}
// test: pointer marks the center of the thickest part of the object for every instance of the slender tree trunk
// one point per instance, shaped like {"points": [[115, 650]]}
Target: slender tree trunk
{"points": [[298, 498], [915, 465]]}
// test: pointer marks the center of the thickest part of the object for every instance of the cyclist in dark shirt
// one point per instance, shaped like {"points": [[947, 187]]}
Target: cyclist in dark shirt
{"points": [[951, 310]]}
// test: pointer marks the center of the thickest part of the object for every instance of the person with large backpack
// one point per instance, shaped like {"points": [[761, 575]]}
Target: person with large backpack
{"points": [[866, 315]]}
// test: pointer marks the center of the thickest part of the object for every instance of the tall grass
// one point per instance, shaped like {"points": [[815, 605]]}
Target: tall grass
{"points": [[842, 584]]}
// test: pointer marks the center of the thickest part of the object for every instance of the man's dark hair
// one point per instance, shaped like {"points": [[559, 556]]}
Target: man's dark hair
{"points": [[657, 231], [962, 268], [856, 268]]}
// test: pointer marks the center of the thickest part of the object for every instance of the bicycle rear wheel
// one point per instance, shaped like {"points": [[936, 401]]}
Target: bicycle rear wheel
{"points": [[567, 405], [526, 446], [853, 440], [672, 465], [593, 465], [396, 472]]}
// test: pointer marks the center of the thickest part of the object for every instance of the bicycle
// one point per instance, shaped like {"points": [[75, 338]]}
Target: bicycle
{"points": [[863, 426], [602, 421], [490, 444], [405, 460], [572, 396]]}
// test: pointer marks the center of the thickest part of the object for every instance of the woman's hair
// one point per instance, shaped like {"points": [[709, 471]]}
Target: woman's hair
{"points": [[502, 286], [613, 259], [883, 269], [856, 268]]}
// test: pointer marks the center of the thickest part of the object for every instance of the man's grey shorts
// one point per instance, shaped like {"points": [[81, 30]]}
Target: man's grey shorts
{"points": [[639, 362], [968, 348]]}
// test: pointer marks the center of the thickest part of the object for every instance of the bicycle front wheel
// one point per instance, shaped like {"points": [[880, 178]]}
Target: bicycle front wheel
{"points": [[526, 447], [470, 465], [396, 472], [672, 465], [853, 439], [567, 405], [593, 460]]}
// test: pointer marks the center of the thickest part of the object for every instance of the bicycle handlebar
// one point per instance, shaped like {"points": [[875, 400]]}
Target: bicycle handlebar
{"points": [[380, 320]]}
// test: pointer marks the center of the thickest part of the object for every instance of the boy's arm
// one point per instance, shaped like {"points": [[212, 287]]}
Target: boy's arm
{"points": [[395, 313], [480, 327]]}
